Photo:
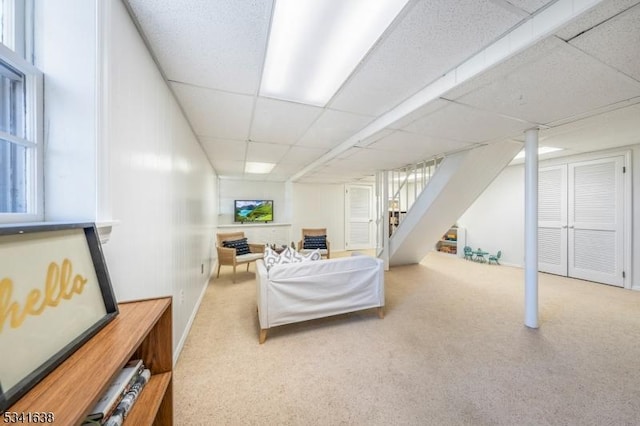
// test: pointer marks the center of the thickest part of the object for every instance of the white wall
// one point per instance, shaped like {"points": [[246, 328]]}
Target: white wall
{"points": [[635, 250], [319, 206], [301, 205], [120, 148], [496, 220], [231, 189], [65, 47]]}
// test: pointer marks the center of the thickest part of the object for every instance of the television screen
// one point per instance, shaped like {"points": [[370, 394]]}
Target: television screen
{"points": [[253, 211]]}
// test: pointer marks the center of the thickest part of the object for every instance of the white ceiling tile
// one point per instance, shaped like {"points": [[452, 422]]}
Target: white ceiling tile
{"points": [[464, 124], [333, 127], [280, 121], [564, 83], [422, 47], [218, 44], [322, 180], [419, 147], [277, 177], [266, 152], [418, 113], [302, 155], [511, 65], [610, 42], [598, 14], [374, 159], [228, 168], [609, 130], [288, 169], [529, 6], [224, 149], [375, 137], [348, 153], [347, 166], [215, 114], [221, 45]]}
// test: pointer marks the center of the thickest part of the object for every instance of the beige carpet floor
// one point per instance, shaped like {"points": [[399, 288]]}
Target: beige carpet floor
{"points": [[452, 350]]}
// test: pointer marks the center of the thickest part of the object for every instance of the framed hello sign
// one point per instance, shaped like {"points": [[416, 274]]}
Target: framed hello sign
{"points": [[55, 294]]}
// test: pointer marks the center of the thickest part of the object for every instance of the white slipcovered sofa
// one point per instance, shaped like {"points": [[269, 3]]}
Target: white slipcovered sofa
{"points": [[297, 292]]}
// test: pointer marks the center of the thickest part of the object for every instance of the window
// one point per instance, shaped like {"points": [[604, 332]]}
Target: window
{"points": [[20, 119]]}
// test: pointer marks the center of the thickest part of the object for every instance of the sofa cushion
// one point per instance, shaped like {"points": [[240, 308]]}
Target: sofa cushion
{"points": [[315, 242], [241, 246]]}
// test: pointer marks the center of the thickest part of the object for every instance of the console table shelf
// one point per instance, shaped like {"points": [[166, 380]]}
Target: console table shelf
{"points": [[142, 330]]}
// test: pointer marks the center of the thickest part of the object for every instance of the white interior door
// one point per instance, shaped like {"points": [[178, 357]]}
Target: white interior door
{"points": [[596, 215], [358, 203], [552, 220]]}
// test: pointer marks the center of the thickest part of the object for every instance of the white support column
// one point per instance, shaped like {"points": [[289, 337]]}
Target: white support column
{"points": [[531, 228], [385, 219]]}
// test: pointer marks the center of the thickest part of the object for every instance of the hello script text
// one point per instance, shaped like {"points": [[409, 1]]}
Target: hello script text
{"points": [[59, 284]]}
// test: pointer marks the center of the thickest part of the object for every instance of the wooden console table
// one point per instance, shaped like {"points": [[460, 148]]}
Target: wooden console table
{"points": [[142, 330]]}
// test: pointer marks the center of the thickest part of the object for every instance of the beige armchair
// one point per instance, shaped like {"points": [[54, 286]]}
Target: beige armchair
{"points": [[227, 255], [314, 232]]}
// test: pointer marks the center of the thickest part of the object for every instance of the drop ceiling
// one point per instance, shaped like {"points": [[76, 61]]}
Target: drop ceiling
{"points": [[580, 85]]}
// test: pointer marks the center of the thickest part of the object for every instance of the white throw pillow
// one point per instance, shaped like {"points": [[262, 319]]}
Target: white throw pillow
{"points": [[314, 255], [270, 257], [288, 255]]}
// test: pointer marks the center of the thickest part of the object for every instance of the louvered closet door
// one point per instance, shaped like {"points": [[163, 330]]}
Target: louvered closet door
{"points": [[596, 244], [359, 217], [552, 220]]}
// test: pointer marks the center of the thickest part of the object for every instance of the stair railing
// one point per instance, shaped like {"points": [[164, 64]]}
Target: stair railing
{"points": [[396, 191]]}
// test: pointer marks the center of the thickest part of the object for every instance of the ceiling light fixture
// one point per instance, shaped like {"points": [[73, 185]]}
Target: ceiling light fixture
{"points": [[258, 168], [541, 150], [315, 45]]}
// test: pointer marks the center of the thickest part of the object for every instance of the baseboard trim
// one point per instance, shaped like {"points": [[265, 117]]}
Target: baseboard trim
{"points": [[187, 329]]}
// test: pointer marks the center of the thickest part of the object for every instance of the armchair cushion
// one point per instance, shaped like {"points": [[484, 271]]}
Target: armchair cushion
{"points": [[315, 242], [241, 246], [249, 257]]}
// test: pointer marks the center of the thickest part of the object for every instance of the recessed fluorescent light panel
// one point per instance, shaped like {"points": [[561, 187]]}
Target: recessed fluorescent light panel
{"points": [[541, 150], [315, 45], [258, 168]]}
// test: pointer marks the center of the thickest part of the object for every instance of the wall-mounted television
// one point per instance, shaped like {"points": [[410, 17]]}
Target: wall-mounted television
{"points": [[253, 211]]}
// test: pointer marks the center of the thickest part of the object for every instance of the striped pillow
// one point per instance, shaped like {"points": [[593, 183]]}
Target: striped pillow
{"points": [[315, 242], [241, 246]]}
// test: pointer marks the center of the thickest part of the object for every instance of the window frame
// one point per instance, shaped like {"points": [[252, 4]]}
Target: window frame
{"points": [[33, 138]]}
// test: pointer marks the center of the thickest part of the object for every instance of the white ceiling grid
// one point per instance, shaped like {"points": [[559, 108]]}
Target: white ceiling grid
{"points": [[281, 121], [563, 83], [212, 53], [424, 45], [332, 128], [610, 42]]}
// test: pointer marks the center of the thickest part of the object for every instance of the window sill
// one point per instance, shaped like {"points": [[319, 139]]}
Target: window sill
{"points": [[105, 228]]}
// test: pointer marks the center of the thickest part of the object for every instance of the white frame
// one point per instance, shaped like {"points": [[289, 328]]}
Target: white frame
{"points": [[628, 196], [33, 83], [348, 219], [562, 268], [572, 270]]}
